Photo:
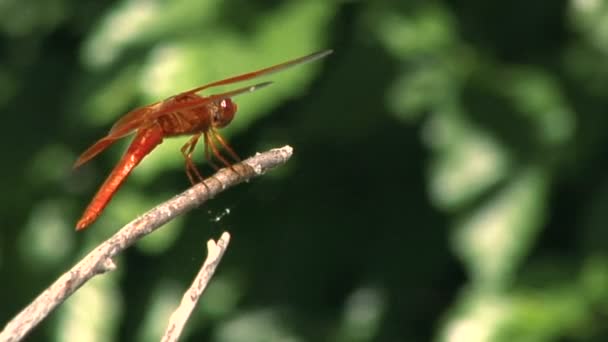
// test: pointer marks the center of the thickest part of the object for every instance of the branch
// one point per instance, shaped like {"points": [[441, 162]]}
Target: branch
{"points": [[182, 313], [100, 260]]}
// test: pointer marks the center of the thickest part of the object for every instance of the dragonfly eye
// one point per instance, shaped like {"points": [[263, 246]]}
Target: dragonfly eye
{"points": [[225, 113], [228, 105]]}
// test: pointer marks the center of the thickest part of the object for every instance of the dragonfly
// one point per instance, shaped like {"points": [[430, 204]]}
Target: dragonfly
{"points": [[187, 113]]}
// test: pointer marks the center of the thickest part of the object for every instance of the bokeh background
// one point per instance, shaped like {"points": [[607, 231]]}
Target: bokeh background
{"points": [[448, 184]]}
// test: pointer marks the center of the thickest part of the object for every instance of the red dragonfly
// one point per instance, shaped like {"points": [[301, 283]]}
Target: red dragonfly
{"points": [[187, 113]]}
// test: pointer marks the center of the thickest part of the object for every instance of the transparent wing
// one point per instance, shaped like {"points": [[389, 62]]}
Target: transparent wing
{"points": [[262, 72]]}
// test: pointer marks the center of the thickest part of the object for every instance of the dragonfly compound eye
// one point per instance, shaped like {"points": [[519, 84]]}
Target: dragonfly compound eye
{"points": [[225, 114]]}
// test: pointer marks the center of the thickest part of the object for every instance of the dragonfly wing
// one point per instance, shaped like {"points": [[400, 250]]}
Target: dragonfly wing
{"points": [[233, 93], [94, 150], [126, 125], [134, 119], [262, 72], [195, 102]]}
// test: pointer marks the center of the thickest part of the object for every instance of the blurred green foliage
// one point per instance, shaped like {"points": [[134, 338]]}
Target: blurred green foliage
{"points": [[448, 183]]}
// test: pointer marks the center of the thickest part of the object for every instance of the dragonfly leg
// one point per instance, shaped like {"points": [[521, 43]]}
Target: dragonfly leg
{"points": [[208, 155], [216, 151], [214, 134], [227, 147], [191, 171]]}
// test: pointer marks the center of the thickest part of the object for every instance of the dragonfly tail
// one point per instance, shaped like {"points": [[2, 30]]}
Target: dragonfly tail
{"points": [[144, 142]]}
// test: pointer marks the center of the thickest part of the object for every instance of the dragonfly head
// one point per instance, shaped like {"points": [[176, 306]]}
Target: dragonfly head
{"points": [[224, 113]]}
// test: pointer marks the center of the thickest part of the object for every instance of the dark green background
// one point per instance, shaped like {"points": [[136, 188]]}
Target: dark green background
{"points": [[448, 182]]}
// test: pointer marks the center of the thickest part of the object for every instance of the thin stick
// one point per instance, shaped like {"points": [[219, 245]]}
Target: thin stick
{"points": [[100, 260], [182, 313]]}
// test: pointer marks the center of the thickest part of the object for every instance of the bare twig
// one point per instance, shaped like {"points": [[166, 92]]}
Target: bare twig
{"points": [[100, 261], [182, 313]]}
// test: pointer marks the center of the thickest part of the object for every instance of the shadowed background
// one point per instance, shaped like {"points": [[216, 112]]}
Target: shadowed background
{"points": [[448, 182]]}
